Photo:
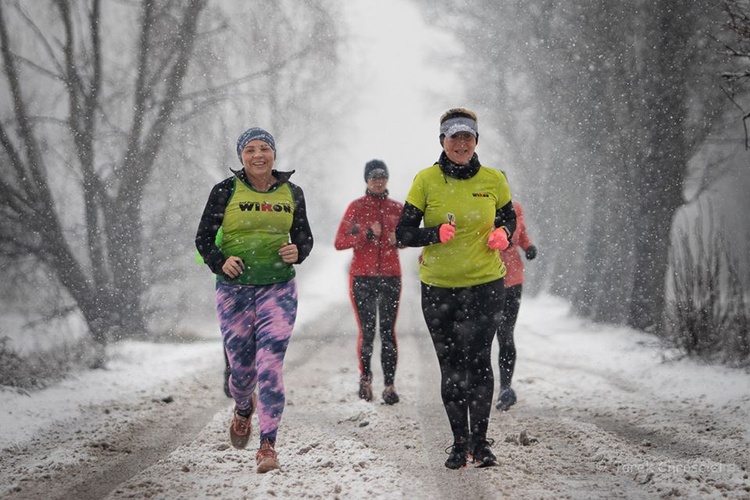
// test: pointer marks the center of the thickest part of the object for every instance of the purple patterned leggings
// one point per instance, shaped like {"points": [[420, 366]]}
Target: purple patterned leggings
{"points": [[256, 324]]}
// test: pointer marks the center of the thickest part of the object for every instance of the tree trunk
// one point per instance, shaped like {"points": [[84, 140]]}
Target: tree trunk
{"points": [[665, 165]]}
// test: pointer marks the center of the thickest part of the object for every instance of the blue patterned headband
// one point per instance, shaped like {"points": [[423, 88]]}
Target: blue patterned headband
{"points": [[253, 134]]}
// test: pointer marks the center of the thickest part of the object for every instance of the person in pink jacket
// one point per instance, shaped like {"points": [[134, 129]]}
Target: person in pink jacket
{"points": [[513, 290], [368, 228]]}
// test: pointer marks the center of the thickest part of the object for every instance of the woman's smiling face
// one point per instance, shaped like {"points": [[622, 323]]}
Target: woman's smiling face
{"points": [[257, 157], [459, 148]]}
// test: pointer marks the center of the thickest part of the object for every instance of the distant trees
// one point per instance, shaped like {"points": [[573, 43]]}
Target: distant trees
{"points": [[94, 93], [734, 41], [601, 105]]}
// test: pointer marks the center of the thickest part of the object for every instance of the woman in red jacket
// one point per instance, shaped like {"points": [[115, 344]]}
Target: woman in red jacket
{"points": [[368, 227], [513, 290]]}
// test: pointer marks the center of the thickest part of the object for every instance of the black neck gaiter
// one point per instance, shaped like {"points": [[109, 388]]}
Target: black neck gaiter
{"points": [[384, 194], [459, 171]]}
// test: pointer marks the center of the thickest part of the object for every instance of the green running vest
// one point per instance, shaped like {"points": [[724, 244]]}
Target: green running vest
{"points": [[256, 225]]}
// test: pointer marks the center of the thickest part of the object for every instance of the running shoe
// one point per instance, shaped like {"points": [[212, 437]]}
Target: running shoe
{"points": [[482, 455], [266, 457], [390, 396], [365, 388], [456, 456], [506, 399], [240, 429]]}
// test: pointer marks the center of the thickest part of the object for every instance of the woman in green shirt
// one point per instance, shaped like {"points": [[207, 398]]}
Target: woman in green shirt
{"points": [[468, 218], [265, 233]]}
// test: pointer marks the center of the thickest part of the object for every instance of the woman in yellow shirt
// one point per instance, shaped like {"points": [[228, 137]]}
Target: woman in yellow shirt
{"points": [[468, 217]]}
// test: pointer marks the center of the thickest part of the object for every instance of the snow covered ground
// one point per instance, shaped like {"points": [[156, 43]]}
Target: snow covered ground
{"points": [[603, 412]]}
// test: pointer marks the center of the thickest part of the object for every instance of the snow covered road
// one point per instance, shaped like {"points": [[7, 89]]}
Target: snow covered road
{"points": [[601, 414]]}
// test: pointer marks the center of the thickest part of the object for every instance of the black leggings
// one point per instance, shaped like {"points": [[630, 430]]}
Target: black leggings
{"points": [[462, 323], [506, 344], [376, 298]]}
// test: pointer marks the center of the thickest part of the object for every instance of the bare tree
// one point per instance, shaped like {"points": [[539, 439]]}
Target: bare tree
{"points": [[106, 284], [105, 99], [733, 39]]}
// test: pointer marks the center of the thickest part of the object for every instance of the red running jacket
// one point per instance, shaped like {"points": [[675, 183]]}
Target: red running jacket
{"points": [[373, 256], [511, 257]]}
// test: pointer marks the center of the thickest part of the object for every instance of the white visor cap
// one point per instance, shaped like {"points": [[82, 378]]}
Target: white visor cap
{"points": [[458, 124]]}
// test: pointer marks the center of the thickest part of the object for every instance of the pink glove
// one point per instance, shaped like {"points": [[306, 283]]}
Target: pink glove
{"points": [[498, 239], [447, 232]]}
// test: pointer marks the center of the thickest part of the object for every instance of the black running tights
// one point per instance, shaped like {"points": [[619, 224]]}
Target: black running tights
{"points": [[462, 323], [376, 302], [506, 344]]}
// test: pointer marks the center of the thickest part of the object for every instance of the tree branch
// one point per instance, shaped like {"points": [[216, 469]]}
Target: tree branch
{"points": [[33, 168]]}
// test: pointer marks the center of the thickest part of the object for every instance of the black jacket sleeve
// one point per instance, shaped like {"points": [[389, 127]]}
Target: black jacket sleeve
{"points": [[211, 220], [408, 232], [300, 233], [506, 216]]}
